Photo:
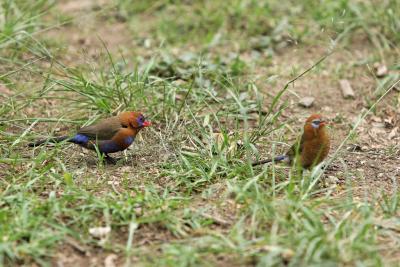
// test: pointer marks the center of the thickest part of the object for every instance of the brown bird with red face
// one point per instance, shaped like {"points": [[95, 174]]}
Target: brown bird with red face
{"points": [[311, 149], [108, 136]]}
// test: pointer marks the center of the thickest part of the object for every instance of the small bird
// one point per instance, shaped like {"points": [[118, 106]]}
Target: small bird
{"points": [[310, 149], [110, 135]]}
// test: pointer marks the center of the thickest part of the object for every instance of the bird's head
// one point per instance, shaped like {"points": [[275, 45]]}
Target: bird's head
{"points": [[315, 123], [134, 120]]}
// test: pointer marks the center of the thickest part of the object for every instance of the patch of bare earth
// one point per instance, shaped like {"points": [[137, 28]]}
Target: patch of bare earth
{"points": [[91, 31]]}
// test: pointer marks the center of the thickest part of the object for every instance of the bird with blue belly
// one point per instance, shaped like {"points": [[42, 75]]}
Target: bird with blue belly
{"points": [[110, 135], [311, 149]]}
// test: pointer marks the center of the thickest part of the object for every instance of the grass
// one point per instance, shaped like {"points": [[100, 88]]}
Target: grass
{"points": [[186, 194]]}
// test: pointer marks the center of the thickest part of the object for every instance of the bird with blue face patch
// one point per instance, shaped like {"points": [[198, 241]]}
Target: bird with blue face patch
{"points": [[311, 149], [110, 135]]}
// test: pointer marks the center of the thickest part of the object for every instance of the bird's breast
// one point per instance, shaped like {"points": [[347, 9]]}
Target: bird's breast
{"points": [[315, 151], [110, 147]]}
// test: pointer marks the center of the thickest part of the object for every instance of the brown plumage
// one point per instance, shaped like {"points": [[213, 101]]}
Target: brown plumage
{"points": [[311, 149]]}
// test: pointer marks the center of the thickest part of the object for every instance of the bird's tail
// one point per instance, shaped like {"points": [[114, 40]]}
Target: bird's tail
{"points": [[278, 158], [49, 140]]}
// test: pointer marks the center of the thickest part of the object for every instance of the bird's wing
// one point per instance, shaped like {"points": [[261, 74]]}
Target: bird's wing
{"points": [[104, 130]]}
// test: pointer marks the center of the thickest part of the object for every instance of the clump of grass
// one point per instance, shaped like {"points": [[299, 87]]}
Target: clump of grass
{"points": [[19, 18]]}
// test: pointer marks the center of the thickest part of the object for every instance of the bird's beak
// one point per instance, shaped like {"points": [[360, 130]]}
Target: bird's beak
{"points": [[146, 123]]}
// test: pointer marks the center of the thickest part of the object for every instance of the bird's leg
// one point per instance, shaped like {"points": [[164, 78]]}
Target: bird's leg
{"points": [[110, 160]]}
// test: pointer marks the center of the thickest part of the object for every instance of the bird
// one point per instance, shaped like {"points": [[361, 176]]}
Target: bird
{"points": [[309, 150], [109, 135]]}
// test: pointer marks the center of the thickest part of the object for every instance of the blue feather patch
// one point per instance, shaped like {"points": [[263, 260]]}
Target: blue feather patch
{"points": [[280, 158], [79, 139], [129, 140]]}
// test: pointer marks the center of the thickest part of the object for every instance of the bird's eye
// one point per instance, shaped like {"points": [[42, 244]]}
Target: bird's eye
{"points": [[315, 123]]}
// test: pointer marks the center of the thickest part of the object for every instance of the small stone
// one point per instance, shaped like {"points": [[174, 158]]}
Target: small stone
{"points": [[327, 109], [178, 82], [99, 232], [4, 91], [378, 124], [393, 133], [380, 70], [376, 119], [354, 148], [187, 56], [347, 91], [389, 122], [138, 211], [147, 43], [306, 101], [332, 179], [240, 143], [112, 182], [109, 261]]}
